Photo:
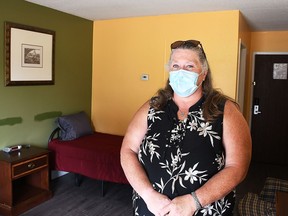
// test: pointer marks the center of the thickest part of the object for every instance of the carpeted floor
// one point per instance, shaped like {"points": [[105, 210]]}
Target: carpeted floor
{"points": [[86, 200]]}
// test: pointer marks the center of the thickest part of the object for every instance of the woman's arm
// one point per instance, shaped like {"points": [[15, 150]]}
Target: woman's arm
{"points": [[133, 170], [237, 144]]}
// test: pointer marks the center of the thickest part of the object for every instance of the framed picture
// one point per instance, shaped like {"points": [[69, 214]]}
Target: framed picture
{"points": [[29, 55]]}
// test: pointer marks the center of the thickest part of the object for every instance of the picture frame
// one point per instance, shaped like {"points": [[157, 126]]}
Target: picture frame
{"points": [[29, 55]]}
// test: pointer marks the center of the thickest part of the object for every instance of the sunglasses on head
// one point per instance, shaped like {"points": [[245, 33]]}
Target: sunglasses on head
{"points": [[187, 44]]}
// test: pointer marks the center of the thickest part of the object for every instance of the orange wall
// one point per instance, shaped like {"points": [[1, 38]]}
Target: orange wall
{"points": [[123, 49], [244, 31], [274, 41]]}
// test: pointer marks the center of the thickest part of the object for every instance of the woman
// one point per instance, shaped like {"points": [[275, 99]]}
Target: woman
{"points": [[187, 148]]}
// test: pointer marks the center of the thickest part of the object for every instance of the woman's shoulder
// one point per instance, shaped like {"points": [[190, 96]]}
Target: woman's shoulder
{"points": [[139, 120], [232, 111], [231, 106], [223, 100], [142, 111]]}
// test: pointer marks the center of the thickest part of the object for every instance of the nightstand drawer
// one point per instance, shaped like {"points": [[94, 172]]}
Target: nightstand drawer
{"points": [[29, 166]]}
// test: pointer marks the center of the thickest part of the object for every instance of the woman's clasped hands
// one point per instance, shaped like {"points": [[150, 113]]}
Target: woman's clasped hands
{"points": [[161, 205]]}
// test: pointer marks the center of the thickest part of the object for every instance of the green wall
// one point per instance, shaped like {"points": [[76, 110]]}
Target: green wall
{"points": [[28, 113]]}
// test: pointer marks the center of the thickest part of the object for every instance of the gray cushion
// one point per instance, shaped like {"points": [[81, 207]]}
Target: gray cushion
{"points": [[74, 126]]}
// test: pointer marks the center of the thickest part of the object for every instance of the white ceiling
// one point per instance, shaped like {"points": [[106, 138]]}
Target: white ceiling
{"points": [[262, 15]]}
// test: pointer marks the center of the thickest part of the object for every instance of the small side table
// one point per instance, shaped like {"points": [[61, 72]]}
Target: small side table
{"points": [[281, 203], [24, 180]]}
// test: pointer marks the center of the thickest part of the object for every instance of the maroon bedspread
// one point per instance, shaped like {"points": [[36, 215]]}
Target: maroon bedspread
{"points": [[96, 156]]}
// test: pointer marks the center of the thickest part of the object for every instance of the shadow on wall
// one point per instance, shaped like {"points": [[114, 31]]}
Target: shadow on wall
{"points": [[11, 121], [39, 117]]}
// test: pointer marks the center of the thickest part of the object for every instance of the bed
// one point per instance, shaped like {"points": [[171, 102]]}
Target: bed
{"points": [[94, 155]]}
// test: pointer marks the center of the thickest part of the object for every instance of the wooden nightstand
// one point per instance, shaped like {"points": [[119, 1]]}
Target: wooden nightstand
{"points": [[24, 180]]}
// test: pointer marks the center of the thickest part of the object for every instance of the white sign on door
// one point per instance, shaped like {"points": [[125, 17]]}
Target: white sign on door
{"points": [[280, 71]]}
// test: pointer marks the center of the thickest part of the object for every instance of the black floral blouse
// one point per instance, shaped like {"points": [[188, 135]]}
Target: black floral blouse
{"points": [[180, 156]]}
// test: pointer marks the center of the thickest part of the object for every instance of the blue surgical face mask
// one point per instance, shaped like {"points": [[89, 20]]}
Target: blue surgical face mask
{"points": [[183, 82]]}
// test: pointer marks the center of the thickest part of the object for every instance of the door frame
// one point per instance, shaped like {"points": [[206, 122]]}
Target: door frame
{"points": [[253, 76], [241, 75]]}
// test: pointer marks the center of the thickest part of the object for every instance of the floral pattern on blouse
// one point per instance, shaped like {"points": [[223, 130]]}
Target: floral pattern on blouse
{"points": [[181, 156]]}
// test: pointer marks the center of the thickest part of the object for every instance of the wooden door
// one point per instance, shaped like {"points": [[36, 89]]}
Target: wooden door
{"points": [[269, 128]]}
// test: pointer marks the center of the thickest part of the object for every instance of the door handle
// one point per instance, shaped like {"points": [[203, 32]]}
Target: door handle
{"points": [[256, 110]]}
